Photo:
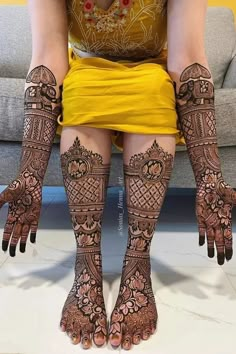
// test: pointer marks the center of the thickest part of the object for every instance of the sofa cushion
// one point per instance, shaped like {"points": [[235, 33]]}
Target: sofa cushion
{"points": [[15, 41], [220, 41], [12, 109], [225, 105]]}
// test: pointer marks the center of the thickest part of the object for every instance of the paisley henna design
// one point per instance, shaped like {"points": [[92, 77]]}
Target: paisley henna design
{"points": [[215, 199], [24, 194], [146, 180], [86, 180]]}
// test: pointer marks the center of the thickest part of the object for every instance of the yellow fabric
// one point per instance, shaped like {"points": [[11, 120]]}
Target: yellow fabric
{"points": [[130, 28], [124, 96]]}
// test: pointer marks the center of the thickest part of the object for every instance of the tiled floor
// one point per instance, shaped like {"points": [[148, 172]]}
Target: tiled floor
{"points": [[196, 298]]}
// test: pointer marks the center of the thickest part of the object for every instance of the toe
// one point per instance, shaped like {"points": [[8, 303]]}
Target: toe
{"points": [[153, 327], [126, 341], [75, 337], [137, 336], [99, 339], [63, 323], [86, 340], [146, 333], [100, 331], [115, 334], [69, 327]]}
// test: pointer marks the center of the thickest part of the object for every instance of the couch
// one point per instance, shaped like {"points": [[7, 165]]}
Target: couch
{"points": [[15, 54]]}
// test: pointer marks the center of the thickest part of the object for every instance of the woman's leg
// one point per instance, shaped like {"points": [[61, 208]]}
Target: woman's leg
{"points": [[85, 162], [148, 162]]}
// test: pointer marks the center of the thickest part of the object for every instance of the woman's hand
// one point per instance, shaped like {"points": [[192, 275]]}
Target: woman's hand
{"points": [[214, 202], [24, 196]]}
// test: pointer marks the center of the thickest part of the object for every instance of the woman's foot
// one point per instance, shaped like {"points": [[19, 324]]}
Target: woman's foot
{"points": [[84, 315], [135, 315]]}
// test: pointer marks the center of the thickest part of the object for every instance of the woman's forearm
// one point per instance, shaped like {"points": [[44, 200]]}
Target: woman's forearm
{"points": [[194, 91], [42, 102]]}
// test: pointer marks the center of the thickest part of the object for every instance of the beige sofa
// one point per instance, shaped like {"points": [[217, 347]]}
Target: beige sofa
{"points": [[15, 53]]}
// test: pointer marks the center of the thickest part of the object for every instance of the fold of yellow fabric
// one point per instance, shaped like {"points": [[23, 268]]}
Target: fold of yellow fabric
{"points": [[119, 95]]}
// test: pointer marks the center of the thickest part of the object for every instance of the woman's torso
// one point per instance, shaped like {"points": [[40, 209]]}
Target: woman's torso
{"points": [[123, 29]]}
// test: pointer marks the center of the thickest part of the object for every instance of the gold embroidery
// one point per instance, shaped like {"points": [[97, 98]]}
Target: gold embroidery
{"points": [[140, 33]]}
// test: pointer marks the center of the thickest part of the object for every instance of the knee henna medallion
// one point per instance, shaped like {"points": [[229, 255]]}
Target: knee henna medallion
{"points": [[86, 179]]}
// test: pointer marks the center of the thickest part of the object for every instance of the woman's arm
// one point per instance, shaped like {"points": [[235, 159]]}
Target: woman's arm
{"points": [[43, 87], [194, 88]]}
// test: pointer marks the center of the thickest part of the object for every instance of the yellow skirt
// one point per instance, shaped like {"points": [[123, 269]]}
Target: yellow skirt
{"points": [[124, 96]]}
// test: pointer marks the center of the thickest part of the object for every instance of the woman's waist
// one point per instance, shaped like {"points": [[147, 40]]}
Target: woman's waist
{"points": [[86, 54]]}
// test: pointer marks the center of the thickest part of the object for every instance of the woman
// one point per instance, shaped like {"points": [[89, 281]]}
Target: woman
{"points": [[119, 86]]}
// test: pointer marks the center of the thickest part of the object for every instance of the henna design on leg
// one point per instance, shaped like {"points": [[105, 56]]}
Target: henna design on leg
{"points": [[196, 111], [146, 180], [86, 180]]}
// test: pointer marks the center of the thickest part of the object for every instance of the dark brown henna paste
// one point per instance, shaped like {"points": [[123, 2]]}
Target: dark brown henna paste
{"points": [[42, 107], [196, 111], [86, 180], [146, 180]]}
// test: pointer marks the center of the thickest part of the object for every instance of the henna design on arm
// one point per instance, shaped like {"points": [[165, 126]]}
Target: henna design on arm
{"points": [[196, 111], [24, 194]]}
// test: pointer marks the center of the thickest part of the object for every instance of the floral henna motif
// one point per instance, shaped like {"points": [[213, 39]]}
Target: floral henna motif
{"points": [[196, 111], [24, 194], [85, 300], [135, 308], [146, 181], [86, 179]]}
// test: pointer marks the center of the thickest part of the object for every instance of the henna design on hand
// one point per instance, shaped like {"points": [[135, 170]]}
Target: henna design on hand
{"points": [[86, 180], [215, 199], [24, 194], [146, 180]]}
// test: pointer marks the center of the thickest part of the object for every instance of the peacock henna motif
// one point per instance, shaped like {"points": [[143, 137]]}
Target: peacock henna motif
{"points": [[214, 201], [86, 180], [24, 194], [146, 181]]}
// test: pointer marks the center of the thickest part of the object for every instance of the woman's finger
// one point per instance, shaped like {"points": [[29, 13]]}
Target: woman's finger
{"points": [[202, 233], [16, 235], [15, 238], [7, 235], [24, 237], [34, 229], [228, 240], [210, 242], [220, 246]]}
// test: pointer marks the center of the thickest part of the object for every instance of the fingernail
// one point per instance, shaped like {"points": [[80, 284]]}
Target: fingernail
{"points": [[228, 255], [12, 251], [211, 252], [22, 247], [201, 240], [221, 259], [4, 245], [33, 237]]}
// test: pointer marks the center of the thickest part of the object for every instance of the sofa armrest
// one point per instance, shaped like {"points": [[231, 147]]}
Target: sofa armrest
{"points": [[230, 77]]}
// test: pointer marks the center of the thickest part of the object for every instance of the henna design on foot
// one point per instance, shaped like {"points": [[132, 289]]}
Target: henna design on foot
{"points": [[24, 194], [215, 199], [146, 180], [86, 180]]}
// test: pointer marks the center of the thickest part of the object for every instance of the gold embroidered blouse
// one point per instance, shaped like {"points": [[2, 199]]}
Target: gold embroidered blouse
{"points": [[129, 28]]}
